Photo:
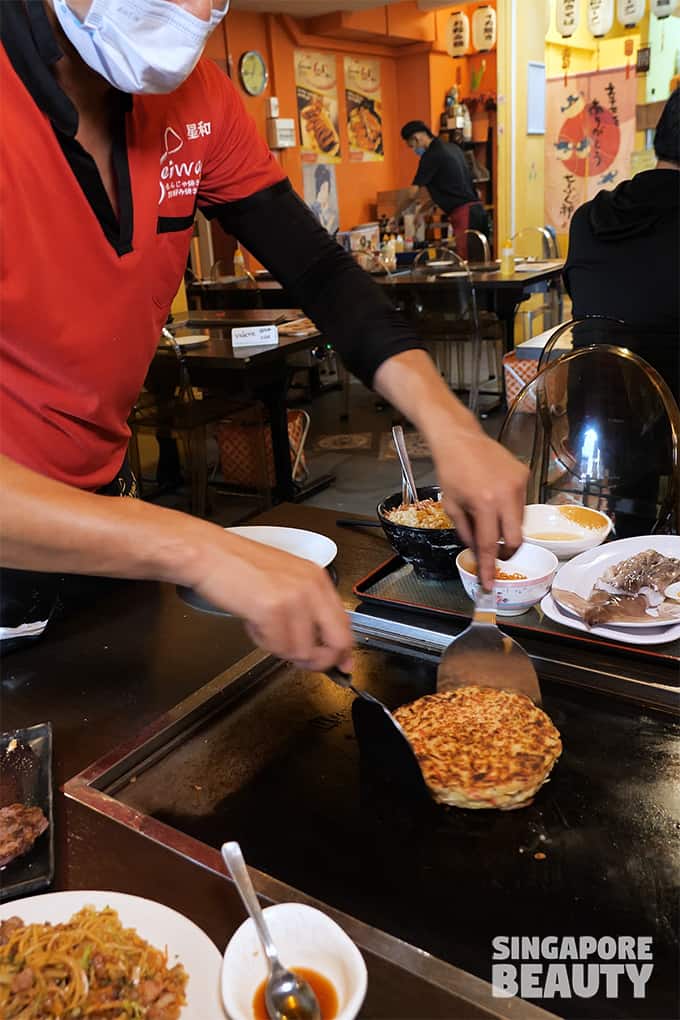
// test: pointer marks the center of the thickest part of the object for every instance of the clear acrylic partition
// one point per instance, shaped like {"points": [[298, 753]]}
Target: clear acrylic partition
{"points": [[599, 427], [534, 243]]}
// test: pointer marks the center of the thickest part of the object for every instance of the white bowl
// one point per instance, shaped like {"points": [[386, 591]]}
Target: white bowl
{"points": [[304, 937], [513, 597], [544, 522]]}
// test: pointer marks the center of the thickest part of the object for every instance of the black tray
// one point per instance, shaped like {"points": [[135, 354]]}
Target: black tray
{"points": [[30, 784], [394, 583]]}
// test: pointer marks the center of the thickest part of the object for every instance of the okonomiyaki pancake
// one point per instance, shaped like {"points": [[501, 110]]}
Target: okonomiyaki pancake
{"points": [[479, 747]]}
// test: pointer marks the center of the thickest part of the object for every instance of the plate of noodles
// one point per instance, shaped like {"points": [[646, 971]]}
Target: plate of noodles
{"points": [[103, 955]]}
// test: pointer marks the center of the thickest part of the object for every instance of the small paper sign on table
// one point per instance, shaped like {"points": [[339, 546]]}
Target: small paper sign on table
{"points": [[254, 336]]}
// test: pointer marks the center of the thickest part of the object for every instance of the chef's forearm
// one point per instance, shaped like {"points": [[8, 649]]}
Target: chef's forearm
{"points": [[349, 308], [411, 382], [51, 527]]}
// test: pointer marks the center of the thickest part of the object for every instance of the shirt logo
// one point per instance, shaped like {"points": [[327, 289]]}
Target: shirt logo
{"points": [[178, 179], [199, 130]]}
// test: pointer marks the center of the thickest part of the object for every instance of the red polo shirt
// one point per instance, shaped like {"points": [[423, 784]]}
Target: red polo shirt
{"points": [[85, 292]]}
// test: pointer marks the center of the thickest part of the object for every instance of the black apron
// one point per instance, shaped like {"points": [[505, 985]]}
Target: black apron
{"points": [[30, 598]]}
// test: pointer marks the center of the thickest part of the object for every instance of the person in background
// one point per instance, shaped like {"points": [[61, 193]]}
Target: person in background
{"points": [[322, 207], [444, 180], [624, 257], [114, 131]]}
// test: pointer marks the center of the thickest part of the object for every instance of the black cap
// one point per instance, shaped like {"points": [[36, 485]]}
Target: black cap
{"points": [[667, 137], [413, 127]]}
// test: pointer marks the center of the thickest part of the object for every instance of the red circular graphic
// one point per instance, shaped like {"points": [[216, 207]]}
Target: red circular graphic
{"points": [[589, 142]]}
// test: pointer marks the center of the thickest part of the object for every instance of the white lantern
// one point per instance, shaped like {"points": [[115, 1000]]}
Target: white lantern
{"points": [[548, 12], [663, 8], [567, 17], [458, 34], [630, 12], [484, 29], [600, 17]]}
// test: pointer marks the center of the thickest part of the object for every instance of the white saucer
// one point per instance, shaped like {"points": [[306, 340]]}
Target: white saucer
{"points": [[309, 545]]}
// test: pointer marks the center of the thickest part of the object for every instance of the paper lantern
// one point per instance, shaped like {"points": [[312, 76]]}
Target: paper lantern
{"points": [[458, 34], [600, 17], [663, 8], [567, 17], [630, 12], [484, 29]]}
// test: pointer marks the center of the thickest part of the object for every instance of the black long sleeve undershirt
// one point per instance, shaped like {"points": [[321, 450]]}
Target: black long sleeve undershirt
{"points": [[347, 306]]}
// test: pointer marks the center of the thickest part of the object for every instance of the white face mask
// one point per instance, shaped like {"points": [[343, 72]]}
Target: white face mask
{"points": [[138, 45]]}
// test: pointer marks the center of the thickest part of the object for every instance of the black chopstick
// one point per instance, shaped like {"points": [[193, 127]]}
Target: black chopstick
{"points": [[348, 522]]}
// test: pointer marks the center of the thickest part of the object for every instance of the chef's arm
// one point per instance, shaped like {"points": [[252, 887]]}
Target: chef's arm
{"points": [[289, 605], [483, 485]]}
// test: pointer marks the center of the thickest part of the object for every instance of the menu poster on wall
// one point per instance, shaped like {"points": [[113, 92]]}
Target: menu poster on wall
{"points": [[321, 195], [364, 109], [590, 136], [317, 100]]}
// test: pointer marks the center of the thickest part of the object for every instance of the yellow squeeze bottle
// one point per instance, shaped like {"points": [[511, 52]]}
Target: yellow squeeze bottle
{"points": [[508, 259]]}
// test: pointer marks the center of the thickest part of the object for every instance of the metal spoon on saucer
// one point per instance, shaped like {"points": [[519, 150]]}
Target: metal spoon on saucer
{"points": [[286, 996]]}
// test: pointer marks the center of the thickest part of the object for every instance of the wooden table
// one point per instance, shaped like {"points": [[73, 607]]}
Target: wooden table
{"points": [[257, 373], [496, 293]]}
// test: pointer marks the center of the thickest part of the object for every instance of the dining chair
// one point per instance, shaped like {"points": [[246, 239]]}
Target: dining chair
{"points": [[446, 317], [540, 244], [171, 407], [478, 247], [599, 426]]}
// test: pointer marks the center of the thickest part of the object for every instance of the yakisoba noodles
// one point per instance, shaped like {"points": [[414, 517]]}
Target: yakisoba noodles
{"points": [[89, 967], [426, 513]]}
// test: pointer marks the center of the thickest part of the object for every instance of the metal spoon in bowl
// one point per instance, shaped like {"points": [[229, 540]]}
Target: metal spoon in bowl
{"points": [[408, 488], [286, 996]]}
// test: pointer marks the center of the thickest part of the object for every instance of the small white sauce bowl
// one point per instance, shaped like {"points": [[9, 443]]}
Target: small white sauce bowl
{"points": [[513, 597], [673, 591], [304, 937], [546, 519]]}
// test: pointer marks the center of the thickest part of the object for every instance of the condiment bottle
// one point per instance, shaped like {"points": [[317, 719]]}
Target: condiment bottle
{"points": [[508, 259], [239, 263]]}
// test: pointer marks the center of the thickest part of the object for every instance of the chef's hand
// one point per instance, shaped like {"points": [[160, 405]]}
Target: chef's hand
{"points": [[288, 604], [483, 485], [483, 488]]}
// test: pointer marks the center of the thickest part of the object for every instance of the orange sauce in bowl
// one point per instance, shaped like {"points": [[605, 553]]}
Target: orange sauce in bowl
{"points": [[555, 536], [584, 517], [501, 575], [326, 995]]}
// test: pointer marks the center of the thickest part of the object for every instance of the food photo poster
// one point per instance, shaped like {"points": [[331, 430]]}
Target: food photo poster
{"points": [[316, 86], [364, 109]]}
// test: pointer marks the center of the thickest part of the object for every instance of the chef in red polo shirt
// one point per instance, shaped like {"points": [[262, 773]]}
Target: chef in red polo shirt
{"points": [[114, 131]]}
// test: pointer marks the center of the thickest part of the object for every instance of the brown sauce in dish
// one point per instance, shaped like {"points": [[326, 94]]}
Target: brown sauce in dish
{"points": [[325, 993]]}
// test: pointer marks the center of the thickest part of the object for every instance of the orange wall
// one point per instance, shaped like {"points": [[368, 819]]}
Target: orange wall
{"points": [[415, 79]]}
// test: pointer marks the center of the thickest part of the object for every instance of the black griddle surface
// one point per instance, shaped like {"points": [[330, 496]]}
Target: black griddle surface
{"points": [[280, 772]]}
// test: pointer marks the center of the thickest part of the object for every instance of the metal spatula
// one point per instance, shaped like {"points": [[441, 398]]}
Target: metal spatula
{"points": [[484, 656]]}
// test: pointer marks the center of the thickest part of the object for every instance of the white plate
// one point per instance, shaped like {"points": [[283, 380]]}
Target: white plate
{"points": [[190, 341], [580, 574], [307, 544], [658, 636], [158, 924]]}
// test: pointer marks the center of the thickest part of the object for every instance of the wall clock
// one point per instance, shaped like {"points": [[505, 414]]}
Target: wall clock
{"points": [[252, 72]]}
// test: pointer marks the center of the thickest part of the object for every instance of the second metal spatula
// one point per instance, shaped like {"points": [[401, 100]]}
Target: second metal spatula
{"points": [[484, 656]]}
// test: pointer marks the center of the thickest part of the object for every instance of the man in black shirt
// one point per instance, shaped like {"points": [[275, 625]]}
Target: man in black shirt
{"points": [[444, 178], [624, 255]]}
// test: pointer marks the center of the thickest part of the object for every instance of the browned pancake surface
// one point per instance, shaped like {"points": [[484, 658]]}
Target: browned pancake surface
{"points": [[479, 747]]}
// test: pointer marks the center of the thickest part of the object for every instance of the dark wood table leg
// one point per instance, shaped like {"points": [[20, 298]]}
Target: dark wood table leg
{"points": [[273, 396]]}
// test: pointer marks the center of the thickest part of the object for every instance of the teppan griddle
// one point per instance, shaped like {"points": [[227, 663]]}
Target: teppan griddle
{"points": [[226, 763]]}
